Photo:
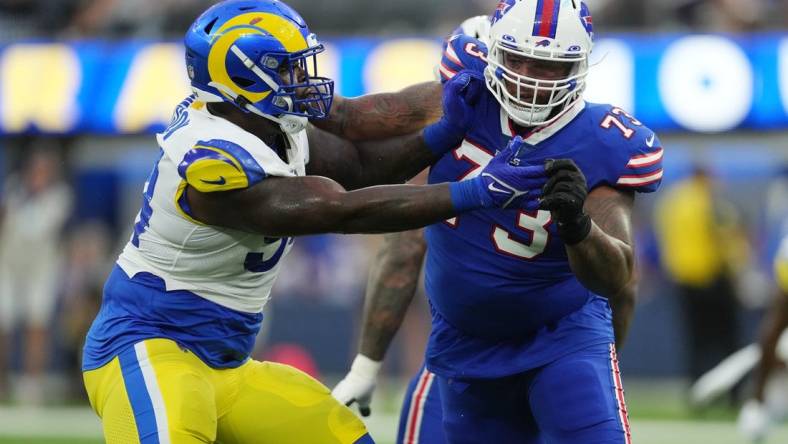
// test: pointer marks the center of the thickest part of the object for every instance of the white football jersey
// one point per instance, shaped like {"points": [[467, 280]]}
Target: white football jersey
{"points": [[232, 268]]}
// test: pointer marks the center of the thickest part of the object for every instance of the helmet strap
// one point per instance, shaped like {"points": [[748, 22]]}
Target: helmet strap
{"points": [[249, 63]]}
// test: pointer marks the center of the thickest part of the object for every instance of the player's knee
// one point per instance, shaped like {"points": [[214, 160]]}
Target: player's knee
{"points": [[300, 401]]}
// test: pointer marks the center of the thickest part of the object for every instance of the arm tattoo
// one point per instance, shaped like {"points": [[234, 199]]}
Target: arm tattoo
{"points": [[385, 115], [392, 284], [375, 139], [603, 262]]}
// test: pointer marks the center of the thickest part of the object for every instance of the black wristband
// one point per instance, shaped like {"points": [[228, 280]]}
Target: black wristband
{"points": [[576, 231]]}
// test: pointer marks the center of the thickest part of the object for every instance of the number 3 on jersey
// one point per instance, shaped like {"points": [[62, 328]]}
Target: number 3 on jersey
{"points": [[533, 223], [258, 263]]}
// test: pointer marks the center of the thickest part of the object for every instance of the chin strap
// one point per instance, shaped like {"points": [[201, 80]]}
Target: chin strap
{"points": [[289, 123]]}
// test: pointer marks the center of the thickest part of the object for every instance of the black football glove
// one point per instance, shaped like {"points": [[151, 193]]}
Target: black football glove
{"points": [[564, 195]]}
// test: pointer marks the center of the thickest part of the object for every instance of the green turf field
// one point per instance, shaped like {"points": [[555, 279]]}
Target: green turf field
{"points": [[644, 432], [659, 416], [49, 441]]}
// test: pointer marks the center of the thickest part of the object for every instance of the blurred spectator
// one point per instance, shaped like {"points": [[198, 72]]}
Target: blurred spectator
{"points": [[21, 19], [721, 15], [348, 17], [85, 269], [35, 207], [698, 237], [137, 18], [613, 14], [24, 19]]}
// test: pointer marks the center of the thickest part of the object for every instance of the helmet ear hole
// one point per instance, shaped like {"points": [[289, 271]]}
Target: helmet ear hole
{"points": [[242, 81], [210, 25]]}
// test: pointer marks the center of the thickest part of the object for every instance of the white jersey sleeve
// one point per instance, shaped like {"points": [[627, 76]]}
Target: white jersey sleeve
{"points": [[214, 154], [231, 268]]}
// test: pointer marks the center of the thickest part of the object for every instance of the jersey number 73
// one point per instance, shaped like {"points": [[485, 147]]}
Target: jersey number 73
{"points": [[532, 223]]}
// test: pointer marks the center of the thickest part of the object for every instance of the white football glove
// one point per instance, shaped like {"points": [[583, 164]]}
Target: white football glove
{"points": [[358, 384], [754, 421]]}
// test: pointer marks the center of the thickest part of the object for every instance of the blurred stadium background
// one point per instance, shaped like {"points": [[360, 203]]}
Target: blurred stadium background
{"points": [[85, 83]]}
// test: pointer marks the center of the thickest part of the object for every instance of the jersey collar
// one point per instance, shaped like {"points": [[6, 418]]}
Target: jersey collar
{"points": [[542, 133]]}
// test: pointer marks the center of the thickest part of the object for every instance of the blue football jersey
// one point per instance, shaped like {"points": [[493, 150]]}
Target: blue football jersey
{"points": [[504, 298]]}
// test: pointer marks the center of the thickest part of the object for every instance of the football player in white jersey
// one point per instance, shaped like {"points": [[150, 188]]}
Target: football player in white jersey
{"points": [[167, 358]]}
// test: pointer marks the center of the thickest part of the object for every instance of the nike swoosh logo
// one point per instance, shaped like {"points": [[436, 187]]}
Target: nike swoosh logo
{"points": [[495, 189], [220, 181], [650, 141]]}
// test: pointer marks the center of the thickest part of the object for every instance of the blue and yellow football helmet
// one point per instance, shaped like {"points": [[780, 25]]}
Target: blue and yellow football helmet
{"points": [[260, 56]]}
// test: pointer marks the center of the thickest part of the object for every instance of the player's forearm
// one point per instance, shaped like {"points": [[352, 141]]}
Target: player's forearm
{"points": [[393, 208], [604, 260], [385, 115], [777, 322], [307, 206], [623, 306], [602, 263], [392, 284]]}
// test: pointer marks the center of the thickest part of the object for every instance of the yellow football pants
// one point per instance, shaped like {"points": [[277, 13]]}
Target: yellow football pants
{"points": [[157, 392]]}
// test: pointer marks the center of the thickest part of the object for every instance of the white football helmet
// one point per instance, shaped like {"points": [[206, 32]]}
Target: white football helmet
{"points": [[548, 30], [478, 27]]}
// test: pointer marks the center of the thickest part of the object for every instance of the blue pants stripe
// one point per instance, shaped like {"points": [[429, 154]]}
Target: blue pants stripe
{"points": [[141, 403]]}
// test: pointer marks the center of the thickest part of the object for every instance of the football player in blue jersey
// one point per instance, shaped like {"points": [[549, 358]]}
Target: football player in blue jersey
{"points": [[522, 347], [167, 358], [394, 277]]}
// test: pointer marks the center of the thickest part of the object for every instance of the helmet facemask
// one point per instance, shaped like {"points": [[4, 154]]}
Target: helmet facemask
{"points": [[534, 100], [301, 91]]}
